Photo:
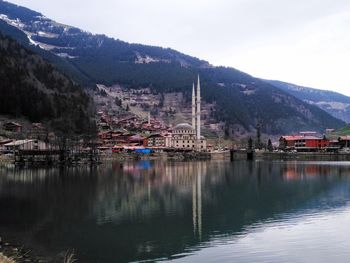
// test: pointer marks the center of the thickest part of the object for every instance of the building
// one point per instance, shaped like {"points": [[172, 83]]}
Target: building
{"points": [[155, 140], [26, 145], [136, 139], [12, 127], [186, 136], [2, 144], [38, 131], [303, 143]]}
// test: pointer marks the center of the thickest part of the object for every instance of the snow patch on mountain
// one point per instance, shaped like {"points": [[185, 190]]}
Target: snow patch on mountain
{"points": [[331, 105], [12, 22], [47, 34], [37, 43], [65, 55], [249, 92], [32, 41], [146, 59]]}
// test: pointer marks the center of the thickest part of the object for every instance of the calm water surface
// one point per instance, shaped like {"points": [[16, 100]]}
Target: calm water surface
{"points": [[182, 211]]}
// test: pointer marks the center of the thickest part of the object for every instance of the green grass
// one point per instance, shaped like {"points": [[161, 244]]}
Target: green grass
{"points": [[341, 132]]}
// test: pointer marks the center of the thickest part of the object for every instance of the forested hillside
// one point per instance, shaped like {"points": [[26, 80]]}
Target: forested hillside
{"points": [[32, 88]]}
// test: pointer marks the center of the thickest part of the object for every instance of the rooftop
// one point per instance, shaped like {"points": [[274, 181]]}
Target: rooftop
{"points": [[301, 137], [183, 126], [19, 142]]}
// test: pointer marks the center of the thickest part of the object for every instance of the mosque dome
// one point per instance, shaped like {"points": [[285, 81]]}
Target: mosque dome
{"points": [[183, 126]]}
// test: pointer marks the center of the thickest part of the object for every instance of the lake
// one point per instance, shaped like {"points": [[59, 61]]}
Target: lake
{"points": [[182, 211]]}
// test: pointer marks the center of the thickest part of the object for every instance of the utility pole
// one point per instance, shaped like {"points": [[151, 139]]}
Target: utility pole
{"points": [[258, 136]]}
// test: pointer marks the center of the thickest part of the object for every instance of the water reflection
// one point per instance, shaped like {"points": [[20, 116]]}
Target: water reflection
{"points": [[144, 210], [197, 201]]}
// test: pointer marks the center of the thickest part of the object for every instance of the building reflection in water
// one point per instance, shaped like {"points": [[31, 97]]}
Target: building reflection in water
{"points": [[145, 189], [295, 171]]}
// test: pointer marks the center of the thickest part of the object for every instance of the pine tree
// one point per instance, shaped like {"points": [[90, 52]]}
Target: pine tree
{"points": [[269, 146], [258, 136]]}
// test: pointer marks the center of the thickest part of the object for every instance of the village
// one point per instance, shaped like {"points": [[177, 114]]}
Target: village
{"points": [[129, 135], [122, 133]]}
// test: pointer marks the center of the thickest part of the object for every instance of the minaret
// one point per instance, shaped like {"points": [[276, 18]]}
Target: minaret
{"points": [[193, 109], [198, 109]]}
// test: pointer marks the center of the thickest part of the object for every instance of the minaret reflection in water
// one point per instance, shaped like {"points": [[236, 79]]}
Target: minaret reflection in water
{"points": [[197, 198]]}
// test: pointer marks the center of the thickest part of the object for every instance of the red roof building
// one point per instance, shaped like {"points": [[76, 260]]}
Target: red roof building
{"points": [[303, 143]]}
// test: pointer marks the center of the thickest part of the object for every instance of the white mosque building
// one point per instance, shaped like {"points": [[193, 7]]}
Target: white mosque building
{"points": [[186, 136]]}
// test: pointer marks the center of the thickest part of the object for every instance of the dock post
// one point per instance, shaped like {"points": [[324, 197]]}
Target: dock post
{"points": [[250, 155], [250, 151], [231, 155]]}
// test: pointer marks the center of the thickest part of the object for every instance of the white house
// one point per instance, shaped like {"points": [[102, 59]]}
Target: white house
{"points": [[26, 145]]}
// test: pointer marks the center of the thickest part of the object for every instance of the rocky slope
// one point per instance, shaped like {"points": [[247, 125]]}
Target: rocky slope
{"points": [[332, 102]]}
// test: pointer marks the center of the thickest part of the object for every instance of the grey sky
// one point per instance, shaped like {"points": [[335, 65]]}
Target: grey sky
{"points": [[305, 42]]}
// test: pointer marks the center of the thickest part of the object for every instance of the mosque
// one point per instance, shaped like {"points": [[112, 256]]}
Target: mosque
{"points": [[186, 136]]}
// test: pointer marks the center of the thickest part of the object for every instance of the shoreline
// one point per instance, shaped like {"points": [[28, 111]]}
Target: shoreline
{"points": [[304, 156], [288, 156], [195, 156], [165, 156], [4, 259], [10, 252]]}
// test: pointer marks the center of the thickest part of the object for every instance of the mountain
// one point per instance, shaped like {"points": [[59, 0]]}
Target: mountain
{"points": [[332, 102], [241, 101], [32, 88]]}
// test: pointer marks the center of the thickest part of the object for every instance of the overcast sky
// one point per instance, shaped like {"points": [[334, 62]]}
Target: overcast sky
{"points": [[305, 42]]}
